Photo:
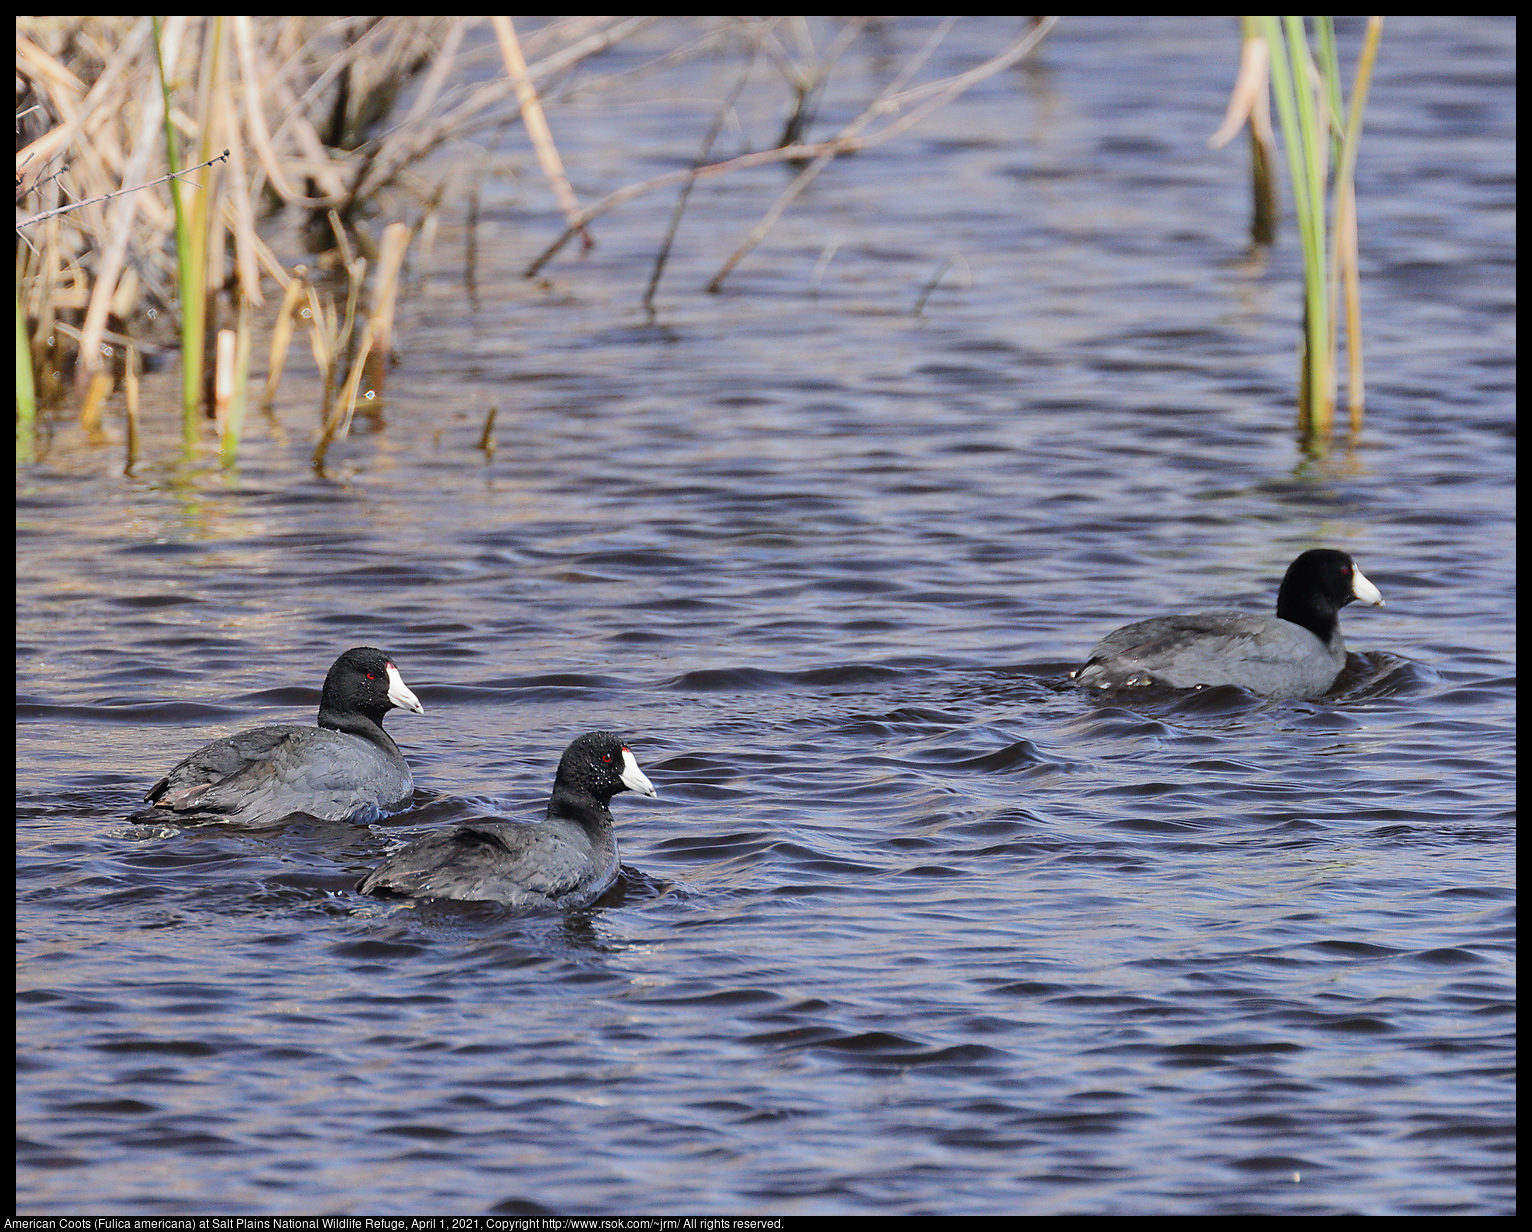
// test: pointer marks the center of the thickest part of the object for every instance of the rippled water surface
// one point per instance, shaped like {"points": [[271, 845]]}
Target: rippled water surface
{"points": [[913, 927]]}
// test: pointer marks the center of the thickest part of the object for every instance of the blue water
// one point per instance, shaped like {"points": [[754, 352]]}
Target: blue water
{"points": [[913, 927]]}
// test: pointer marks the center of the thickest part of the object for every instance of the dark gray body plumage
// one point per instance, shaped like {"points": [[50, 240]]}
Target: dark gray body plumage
{"points": [[267, 773], [525, 865], [569, 859], [346, 769], [1271, 657], [1297, 653]]}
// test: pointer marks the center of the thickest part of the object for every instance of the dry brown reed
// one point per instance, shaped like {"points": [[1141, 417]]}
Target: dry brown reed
{"points": [[130, 401], [151, 157], [537, 122], [921, 101], [294, 303], [297, 105], [1250, 104], [487, 437]]}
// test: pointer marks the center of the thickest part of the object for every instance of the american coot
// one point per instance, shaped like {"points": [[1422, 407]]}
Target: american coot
{"points": [[567, 860], [346, 769], [1296, 653]]}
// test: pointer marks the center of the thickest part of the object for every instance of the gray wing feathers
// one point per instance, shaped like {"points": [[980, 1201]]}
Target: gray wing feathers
{"points": [[1269, 656], [269, 772], [515, 863]]}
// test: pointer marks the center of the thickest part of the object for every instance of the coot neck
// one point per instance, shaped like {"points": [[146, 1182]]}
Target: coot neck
{"points": [[357, 724], [1314, 612], [572, 804]]}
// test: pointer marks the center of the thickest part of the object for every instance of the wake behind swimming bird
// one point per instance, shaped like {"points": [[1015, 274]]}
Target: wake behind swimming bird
{"points": [[1297, 653], [345, 769], [567, 860]]}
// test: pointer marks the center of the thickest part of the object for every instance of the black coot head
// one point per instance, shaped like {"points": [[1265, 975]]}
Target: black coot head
{"points": [[600, 765], [364, 681], [1318, 584]]}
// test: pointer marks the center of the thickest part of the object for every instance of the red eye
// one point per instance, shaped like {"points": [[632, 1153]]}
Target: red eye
{"points": [[606, 757]]}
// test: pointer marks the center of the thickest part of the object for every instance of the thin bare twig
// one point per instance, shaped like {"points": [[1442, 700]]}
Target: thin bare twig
{"points": [[408, 143], [593, 85], [947, 264], [80, 205], [806, 176], [663, 255], [934, 94], [808, 83], [39, 185]]}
